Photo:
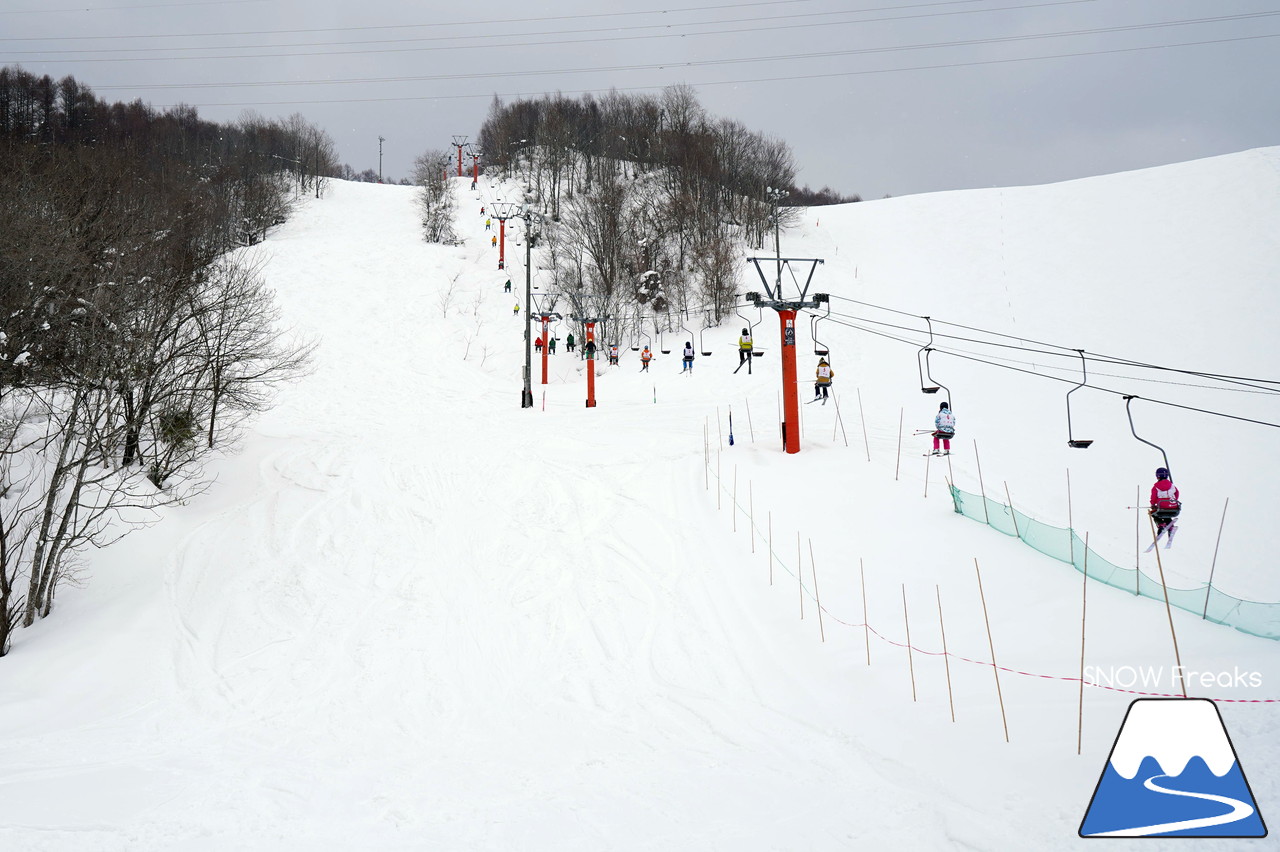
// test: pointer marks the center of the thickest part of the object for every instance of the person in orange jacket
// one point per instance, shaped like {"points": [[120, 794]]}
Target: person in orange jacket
{"points": [[645, 357]]}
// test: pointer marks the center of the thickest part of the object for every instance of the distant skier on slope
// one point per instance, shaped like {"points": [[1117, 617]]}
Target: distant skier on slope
{"points": [[1165, 507], [944, 429], [823, 376]]}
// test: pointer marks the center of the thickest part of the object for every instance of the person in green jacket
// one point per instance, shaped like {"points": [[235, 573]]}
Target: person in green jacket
{"points": [[568, 343]]}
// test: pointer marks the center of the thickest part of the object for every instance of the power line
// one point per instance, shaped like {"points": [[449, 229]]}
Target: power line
{"points": [[771, 29], [741, 81], [467, 23]]}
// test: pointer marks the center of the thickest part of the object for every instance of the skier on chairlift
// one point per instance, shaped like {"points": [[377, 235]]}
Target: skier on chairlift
{"points": [[1165, 507], [944, 429], [822, 380]]}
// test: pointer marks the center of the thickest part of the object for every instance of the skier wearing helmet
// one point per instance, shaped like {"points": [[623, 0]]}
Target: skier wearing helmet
{"points": [[944, 429], [1165, 505], [744, 350]]}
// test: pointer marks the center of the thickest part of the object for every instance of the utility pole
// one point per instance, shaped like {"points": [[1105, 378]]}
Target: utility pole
{"points": [[530, 236], [381, 139], [787, 309], [458, 142]]}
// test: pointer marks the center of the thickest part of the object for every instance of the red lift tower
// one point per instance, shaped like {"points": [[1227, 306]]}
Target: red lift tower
{"points": [[502, 211], [787, 309], [459, 142]]}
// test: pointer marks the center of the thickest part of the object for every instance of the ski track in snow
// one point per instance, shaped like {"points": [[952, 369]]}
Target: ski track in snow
{"points": [[412, 615]]}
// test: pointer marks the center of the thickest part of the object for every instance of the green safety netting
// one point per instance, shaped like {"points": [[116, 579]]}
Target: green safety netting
{"points": [[1252, 617]]}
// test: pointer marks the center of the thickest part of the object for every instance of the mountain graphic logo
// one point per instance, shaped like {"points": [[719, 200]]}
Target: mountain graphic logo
{"points": [[1173, 772]]}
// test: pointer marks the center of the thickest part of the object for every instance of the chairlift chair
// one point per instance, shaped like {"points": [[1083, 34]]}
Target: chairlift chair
{"points": [[1127, 401], [819, 348], [702, 346], [921, 363], [662, 346], [1072, 441], [756, 351]]}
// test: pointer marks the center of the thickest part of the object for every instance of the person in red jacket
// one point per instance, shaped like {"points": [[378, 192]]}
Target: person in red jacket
{"points": [[1165, 504]]}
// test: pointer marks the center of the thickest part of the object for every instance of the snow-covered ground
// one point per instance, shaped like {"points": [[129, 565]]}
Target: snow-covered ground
{"points": [[412, 615]]}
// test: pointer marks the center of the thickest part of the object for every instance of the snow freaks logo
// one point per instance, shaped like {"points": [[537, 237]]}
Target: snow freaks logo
{"points": [[1172, 772], [1172, 677]]}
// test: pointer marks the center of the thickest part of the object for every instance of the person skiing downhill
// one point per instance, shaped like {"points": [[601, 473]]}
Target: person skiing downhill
{"points": [[823, 377], [1166, 505], [944, 429], [688, 358]]}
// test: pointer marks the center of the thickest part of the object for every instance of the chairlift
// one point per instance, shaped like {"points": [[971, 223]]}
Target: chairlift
{"points": [[819, 348], [1127, 402], [1167, 514], [1072, 441], [756, 351], [921, 364], [662, 345], [685, 329], [635, 334], [702, 345]]}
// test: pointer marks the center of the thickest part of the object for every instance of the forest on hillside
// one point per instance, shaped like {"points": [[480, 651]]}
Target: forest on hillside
{"points": [[647, 201], [132, 339]]}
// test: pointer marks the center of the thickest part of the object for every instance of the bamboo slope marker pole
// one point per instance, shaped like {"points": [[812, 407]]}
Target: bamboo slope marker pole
{"points": [[1177, 657], [863, 417], [750, 428], [816, 598], [995, 667], [800, 574], [719, 482], [1084, 603], [946, 657], [734, 507], [720, 427], [751, 516], [770, 547], [1012, 513], [898, 465], [839, 422], [926, 474], [985, 512], [911, 665], [706, 458], [866, 625], [1214, 565], [1071, 524], [1137, 544]]}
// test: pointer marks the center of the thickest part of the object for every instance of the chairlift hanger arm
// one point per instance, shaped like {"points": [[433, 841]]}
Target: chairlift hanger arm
{"points": [[1128, 401]]}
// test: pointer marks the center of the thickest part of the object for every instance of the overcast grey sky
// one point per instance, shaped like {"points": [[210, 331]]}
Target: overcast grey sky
{"points": [[874, 97]]}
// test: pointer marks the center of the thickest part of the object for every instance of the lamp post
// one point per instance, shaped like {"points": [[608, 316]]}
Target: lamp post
{"points": [[381, 139], [530, 237]]}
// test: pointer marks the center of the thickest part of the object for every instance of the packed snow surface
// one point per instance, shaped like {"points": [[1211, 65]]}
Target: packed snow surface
{"points": [[410, 614]]}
